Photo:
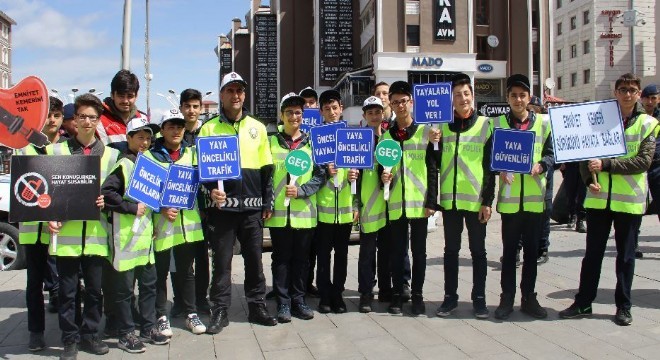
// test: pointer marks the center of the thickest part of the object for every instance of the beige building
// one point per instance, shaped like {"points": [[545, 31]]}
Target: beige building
{"points": [[5, 54]]}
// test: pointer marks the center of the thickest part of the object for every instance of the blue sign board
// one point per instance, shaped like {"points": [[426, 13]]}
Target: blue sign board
{"points": [[432, 103], [218, 158], [146, 182], [311, 118], [355, 148], [324, 142], [513, 151], [180, 190]]}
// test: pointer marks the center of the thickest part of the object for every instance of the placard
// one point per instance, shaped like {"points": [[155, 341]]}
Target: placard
{"points": [[311, 118], [513, 151], [355, 148], [180, 188], [218, 158], [54, 188], [146, 182], [587, 131], [324, 142], [433, 103]]}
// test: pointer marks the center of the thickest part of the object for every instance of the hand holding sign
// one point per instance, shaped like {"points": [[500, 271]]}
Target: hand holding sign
{"points": [[219, 159], [297, 163], [388, 154], [433, 104], [354, 151]]}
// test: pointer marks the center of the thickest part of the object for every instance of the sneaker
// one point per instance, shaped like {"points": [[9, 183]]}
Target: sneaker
{"points": [[163, 326], [131, 344], [70, 351], [448, 305], [505, 308], [338, 305], [623, 317], [324, 307], [302, 311], [219, 320], [37, 342], [571, 222], [418, 306], [177, 310], [638, 254], [93, 345], [365, 303], [395, 305], [194, 324], [153, 336], [283, 313], [405, 295], [530, 306], [543, 258], [575, 311], [480, 308], [580, 227]]}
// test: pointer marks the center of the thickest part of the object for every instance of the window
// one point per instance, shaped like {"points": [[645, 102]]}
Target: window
{"points": [[573, 51], [559, 55], [482, 12], [558, 28], [558, 4], [5, 31], [5, 80], [573, 22], [412, 7], [586, 47], [573, 79], [412, 35], [559, 82], [587, 76], [5, 56], [585, 17], [482, 48]]}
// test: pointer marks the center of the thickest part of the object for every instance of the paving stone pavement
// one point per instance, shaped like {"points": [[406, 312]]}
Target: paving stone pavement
{"points": [[379, 335]]}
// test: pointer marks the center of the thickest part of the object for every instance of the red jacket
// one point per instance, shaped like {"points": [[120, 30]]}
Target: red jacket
{"points": [[112, 129]]}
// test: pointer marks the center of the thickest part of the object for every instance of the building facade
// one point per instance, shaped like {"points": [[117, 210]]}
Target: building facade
{"points": [[5, 53]]}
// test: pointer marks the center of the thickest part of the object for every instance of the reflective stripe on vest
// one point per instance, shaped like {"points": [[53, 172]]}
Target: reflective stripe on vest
{"points": [[31, 232], [335, 206], [372, 213]]}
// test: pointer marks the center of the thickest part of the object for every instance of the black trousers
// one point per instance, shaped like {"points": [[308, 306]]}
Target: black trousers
{"points": [[418, 233], [544, 245], [453, 229], [332, 237], [224, 228], [575, 189], [366, 262], [290, 263], [522, 227], [312, 259], [183, 278], [68, 269], [124, 286], [599, 224], [40, 276], [202, 274]]}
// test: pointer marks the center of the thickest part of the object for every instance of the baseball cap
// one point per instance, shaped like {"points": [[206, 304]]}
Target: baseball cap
{"points": [[371, 102], [309, 92], [68, 111], [328, 96], [291, 99], [536, 101], [231, 78], [141, 123], [172, 115], [650, 90], [400, 87], [518, 80]]}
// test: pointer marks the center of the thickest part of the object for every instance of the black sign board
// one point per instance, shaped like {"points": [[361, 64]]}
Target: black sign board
{"points": [[49, 188], [493, 109], [225, 61], [335, 38], [445, 20], [265, 67]]}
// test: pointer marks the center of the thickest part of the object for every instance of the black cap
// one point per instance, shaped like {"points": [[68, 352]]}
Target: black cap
{"points": [[459, 77], [650, 90], [400, 87], [68, 111], [329, 95], [518, 80]]}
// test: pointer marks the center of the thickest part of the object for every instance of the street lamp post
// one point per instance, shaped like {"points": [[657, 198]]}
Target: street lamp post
{"points": [[169, 99]]}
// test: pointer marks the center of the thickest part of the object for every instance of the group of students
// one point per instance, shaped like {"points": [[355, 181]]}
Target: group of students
{"points": [[112, 255]]}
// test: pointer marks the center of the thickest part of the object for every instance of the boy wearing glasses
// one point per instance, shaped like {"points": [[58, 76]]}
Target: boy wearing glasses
{"points": [[618, 198], [82, 243]]}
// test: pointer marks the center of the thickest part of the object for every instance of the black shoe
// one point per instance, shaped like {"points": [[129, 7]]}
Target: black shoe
{"points": [[623, 317], [177, 310], [37, 342], [312, 291], [283, 313], [418, 306], [505, 308], [543, 257], [638, 254], [53, 303], [395, 305], [110, 332], [154, 337], [258, 314], [70, 352], [219, 320], [302, 311], [385, 296], [338, 305], [365, 303], [131, 344], [93, 345], [448, 305], [270, 295], [203, 306], [580, 227], [530, 306], [575, 311], [405, 295], [480, 308], [324, 306], [571, 222]]}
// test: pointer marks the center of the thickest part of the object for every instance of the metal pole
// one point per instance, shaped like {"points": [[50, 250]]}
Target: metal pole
{"points": [[147, 71], [632, 41], [126, 40]]}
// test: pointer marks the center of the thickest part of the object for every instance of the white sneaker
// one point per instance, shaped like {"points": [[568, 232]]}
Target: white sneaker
{"points": [[195, 324], [163, 326]]}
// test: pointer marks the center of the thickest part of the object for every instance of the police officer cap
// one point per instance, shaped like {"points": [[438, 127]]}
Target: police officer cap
{"points": [[400, 87], [231, 78], [372, 102], [329, 95], [518, 80], [536, 101], [291, 99], [650, 90], [68, 111]]}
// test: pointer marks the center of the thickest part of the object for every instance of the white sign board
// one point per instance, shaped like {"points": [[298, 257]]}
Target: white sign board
{"points": [[586, 131]]}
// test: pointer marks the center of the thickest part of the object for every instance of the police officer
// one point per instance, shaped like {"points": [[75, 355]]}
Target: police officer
{"points": [[467, 190], [618, 197], [240, 210]]}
